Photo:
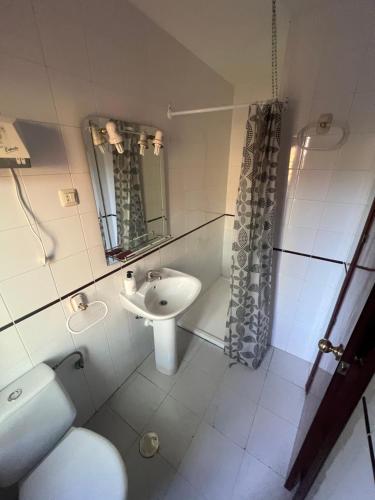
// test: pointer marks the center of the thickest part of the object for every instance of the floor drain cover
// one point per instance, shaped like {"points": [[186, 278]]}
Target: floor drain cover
{"points": [[163, 302], [149, 444]]}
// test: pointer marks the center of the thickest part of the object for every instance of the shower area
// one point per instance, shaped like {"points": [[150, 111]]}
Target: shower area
{"points": [[321, 208], [207, 316]]}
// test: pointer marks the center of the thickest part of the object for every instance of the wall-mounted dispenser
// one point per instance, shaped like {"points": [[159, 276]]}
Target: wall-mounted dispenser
{"points": [[13, 152]]}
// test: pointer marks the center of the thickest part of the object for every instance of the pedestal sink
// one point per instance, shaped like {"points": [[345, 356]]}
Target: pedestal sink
{"points": [[160, 301]]}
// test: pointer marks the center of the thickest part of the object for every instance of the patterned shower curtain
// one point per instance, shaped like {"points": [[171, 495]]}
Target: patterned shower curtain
{"points": [[130, 213], [248, 321]]}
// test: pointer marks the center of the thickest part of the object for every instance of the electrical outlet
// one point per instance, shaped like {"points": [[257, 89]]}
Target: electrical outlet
{"points": [[68, 197]]}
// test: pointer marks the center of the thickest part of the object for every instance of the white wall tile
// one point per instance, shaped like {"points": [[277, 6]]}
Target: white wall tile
{"points": [[75, 149], [75, 383], [338, 73], [320, 160], [72, 272], [117, 327], [45, 335], [337, 102], [21, 294], [358, 153], [292, 265], [4, 314], [17, 258], [43, 193], [330, 244], [342, 217], [91, 229], [63, 237], [62, 36], [281, 327], [350, 186], [82, 182], [306, 213], [99, 368], [74, 98], [362, 113], [298, 239], [14, 101], [19, 35], [324, 273], [11, 212], [14, 360], [313, 184], [98, 261]]}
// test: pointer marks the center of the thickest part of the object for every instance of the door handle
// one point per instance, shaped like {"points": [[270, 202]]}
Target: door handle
{"points": [[326, 346]]}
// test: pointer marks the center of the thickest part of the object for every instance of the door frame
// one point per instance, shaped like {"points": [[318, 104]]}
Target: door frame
{"points": [[338, 403], [344, 288], [343, 392]]}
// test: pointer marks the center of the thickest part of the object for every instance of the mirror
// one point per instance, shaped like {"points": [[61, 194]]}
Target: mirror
{"points": [[127, 172]]}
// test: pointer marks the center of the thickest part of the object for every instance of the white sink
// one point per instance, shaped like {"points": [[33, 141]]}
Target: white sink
{"points": [[159, 302], [163, 299]]}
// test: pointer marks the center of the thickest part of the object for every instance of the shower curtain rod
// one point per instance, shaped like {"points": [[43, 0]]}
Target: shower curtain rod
{"points": [[171, 113]]}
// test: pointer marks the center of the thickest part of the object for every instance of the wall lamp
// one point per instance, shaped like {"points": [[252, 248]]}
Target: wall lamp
{"points": [[100, 136]]}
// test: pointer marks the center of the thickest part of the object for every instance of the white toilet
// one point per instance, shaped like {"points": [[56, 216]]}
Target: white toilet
{"points": [[41, 450]]}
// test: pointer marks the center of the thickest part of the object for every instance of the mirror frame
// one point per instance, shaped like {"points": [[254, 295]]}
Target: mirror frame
{"points": [[115, 255]]}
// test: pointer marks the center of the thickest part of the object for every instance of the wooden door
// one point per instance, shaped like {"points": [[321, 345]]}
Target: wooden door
{"points": [[336, 383]]}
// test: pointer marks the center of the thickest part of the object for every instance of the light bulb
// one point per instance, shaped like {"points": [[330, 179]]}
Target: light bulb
{"points": [[114, 137], [143, 144], [158, 142], [98, 139]]}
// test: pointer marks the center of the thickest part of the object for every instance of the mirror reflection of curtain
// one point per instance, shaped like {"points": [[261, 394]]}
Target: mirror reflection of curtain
{"points": [[248, 323], [130, 213]]}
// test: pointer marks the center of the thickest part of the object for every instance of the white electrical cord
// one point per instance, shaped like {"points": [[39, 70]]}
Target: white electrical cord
{"points": [[26, 210]]}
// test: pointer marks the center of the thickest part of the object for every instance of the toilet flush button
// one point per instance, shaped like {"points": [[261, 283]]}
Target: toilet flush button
{"points": [[15, 395]]}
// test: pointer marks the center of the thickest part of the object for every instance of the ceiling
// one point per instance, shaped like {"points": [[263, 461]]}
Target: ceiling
{"points": [[233, 37]]}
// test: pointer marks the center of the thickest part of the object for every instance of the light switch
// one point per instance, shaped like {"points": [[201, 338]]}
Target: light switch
{"points": [[68, 197]]}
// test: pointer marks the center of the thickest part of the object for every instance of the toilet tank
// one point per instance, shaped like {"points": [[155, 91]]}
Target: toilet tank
{"points": [[35, 413]]}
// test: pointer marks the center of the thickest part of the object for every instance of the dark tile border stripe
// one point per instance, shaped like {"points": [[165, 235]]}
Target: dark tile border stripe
{"points": [[369, 436], [145, 254], [131, 261]]}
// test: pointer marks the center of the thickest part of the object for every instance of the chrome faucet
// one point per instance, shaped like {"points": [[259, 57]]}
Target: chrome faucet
{"points": [[153, 275]]}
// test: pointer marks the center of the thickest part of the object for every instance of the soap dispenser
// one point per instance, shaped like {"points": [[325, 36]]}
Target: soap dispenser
{"points": [[130, 284]]}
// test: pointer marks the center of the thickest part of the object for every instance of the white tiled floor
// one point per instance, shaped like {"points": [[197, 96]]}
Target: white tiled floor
{"points": [[225, 432]]}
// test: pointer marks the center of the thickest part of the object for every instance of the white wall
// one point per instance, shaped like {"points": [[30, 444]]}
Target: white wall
{"points": [[60, 62], [347, 473], [329, 68]]}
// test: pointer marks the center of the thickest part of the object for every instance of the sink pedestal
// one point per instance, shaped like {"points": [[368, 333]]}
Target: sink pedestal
{"points": [[165, 341]]}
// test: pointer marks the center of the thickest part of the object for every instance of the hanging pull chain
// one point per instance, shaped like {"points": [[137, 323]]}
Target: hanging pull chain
{"points": [[275, 88]]}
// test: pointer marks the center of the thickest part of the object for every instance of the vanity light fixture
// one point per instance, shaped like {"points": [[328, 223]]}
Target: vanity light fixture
{"points": [[114, 137], [98, 138], [143, 144], [158, 142]]}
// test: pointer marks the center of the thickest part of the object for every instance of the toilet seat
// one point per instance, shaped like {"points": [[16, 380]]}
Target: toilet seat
{"points": [[83, 466]]}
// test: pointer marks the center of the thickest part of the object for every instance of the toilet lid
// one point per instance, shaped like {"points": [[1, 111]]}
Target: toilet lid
{"points": [[83, 466]]}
